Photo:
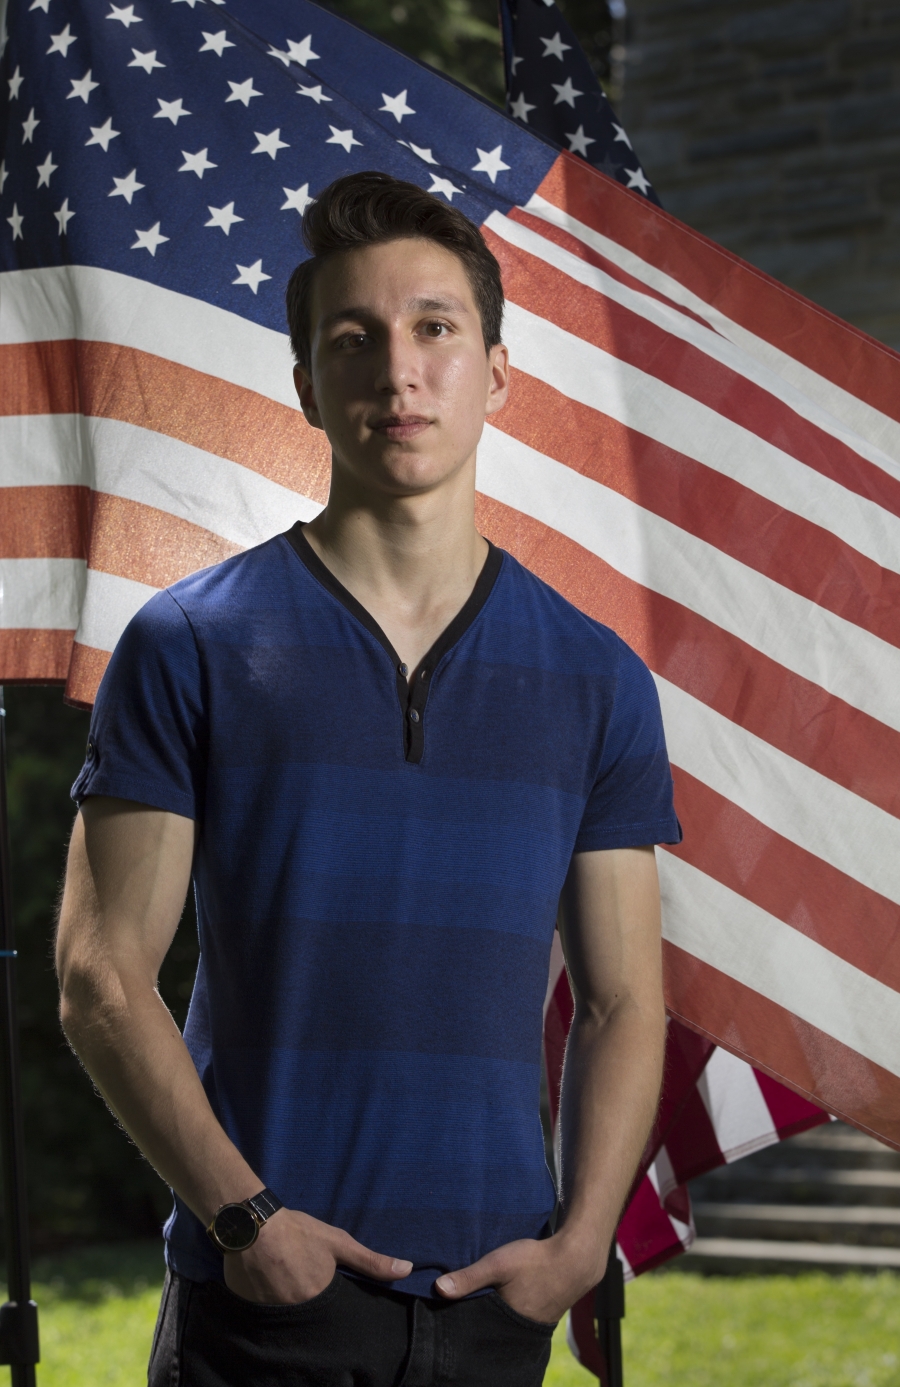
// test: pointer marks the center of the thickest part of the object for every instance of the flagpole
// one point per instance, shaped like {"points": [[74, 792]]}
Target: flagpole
{"points": [[609, 1311], [18, 1316]]}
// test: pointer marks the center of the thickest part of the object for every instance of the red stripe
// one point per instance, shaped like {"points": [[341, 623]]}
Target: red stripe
{"points": [[758, 1030], [48, 522], [551, 232], [789, 712], [645, 1234], [34, 656], [687, 1055], [149, 545], [790, 1113], [589, 1354], [819, 340], [795, 886], [692, 1146], [127, 538], [86, 669], [556, 1031], [591, 316], [106, 381], [783, 546]]}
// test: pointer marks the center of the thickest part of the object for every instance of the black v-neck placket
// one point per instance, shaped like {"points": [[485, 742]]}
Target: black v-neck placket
{"points": [[412, 693]]}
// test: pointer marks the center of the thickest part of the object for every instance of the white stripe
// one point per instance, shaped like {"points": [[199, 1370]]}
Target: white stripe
{"points": [[805, 807], [152, 468], [730, 933], [677, 324], [844, 659], [583, 372], [880, 433], [96, 305], [109, 604], [666, 1180], [737, 1110], [41, 594]]}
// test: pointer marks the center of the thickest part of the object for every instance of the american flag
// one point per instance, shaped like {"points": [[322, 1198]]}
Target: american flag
{"points": [[692, 454], [551, 87]]}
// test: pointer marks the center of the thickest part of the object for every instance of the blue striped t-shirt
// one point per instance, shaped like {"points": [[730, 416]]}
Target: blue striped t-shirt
{"points": [[377, 876]]}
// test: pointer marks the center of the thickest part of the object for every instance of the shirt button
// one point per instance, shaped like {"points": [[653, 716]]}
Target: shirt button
{"points": [[413, 715], [404, 670], [424, 674]]}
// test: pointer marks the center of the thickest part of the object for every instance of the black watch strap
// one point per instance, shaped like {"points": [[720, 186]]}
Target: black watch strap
{"points": [[264, 1205]]}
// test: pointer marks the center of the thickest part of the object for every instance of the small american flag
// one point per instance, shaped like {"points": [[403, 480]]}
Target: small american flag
{"points": [[692, 454], [551, 88]]}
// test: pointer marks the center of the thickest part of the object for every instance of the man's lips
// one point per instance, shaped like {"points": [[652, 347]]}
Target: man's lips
{"points": [[400, 426]]}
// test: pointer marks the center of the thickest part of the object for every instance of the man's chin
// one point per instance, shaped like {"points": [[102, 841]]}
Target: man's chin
{"points": [[402, 470]]}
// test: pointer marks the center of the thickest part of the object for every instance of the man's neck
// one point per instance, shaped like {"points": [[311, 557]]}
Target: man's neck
{"points": [[412, 562]]}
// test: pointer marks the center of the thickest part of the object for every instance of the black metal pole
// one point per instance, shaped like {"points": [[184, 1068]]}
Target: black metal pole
{"points": [[609, 1312], [18, 1317]]}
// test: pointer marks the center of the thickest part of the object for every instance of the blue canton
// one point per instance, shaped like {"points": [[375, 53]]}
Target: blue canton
{"points": [[180, 141], [552, 89]]}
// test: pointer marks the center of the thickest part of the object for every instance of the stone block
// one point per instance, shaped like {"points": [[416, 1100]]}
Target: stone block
{"points": [[798, 24], [742, 142], [795, 262], [822, 89], [865, 117], [658, 150], [686, 110], [872, 48], [810, 66], [698, 203], [758, 96], [825, 221], [648, 62]]}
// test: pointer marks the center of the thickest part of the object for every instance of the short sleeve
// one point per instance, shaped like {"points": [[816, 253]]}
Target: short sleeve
{"points": [[147, 737], [631, 802]]}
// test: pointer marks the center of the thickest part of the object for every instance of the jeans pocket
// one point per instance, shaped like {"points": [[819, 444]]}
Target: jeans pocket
{"points": [[536, 1326], [232, 1303]]}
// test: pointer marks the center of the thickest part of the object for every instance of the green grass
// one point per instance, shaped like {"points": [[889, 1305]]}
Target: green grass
{"points": [[685, 1330], [98, 1308]]}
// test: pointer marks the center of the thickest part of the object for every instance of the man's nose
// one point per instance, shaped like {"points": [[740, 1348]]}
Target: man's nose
{"points": [[397, 369]]}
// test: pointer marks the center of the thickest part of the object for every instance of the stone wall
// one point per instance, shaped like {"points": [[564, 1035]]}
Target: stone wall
{"points": [[774, 128]]}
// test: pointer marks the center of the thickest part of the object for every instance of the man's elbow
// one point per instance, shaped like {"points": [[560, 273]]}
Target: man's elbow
{"points": [[91, 1000]]}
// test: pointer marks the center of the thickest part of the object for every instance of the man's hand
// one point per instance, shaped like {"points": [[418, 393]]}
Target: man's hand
{"points": [[539, 1279], [295, 1257]]}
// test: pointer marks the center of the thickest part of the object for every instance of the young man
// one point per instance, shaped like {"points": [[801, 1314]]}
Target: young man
{"points": [[388, 755]]}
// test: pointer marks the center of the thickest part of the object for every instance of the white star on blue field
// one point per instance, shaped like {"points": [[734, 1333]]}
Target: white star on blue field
{"points": [[172, 141]]}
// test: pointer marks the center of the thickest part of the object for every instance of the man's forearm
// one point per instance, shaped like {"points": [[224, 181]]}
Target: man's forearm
{"points": [[610, 1089], [131, 1047]]}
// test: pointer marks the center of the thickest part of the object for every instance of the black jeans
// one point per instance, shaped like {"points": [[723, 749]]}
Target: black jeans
{"points": [[354, 1334]]}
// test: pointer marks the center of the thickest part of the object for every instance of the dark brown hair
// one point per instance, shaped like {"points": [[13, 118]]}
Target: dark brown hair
{"points": [[365, 209]]}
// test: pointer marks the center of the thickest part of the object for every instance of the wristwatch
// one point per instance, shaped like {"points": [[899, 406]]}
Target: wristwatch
{"points": [[235, 1227]]}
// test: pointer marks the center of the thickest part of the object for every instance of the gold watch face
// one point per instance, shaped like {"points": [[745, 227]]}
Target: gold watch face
{"points": [[235, 1228]]}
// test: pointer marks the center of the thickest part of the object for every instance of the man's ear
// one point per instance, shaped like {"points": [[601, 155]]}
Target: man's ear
{"points": [[498, 389], [306, 394]]}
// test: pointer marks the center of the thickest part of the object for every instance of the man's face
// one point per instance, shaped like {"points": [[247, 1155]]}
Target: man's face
{"points": [[401, 382]]}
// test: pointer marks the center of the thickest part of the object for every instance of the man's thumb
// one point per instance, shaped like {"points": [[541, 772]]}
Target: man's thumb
{"points": [[454, 1284]]}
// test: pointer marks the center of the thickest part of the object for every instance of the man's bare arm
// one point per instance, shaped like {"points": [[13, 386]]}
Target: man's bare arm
{"points": [[610, 929], [127, 877]]}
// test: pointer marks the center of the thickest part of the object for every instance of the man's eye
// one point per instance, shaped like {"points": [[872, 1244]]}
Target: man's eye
{"points": [[353, 339], [436, 329]]}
